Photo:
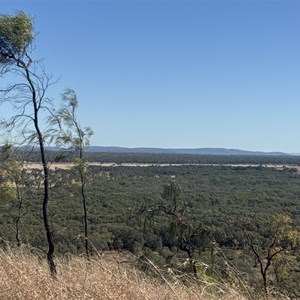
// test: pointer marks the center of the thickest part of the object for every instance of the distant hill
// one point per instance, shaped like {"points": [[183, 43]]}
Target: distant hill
{"points": [[203, 151]]}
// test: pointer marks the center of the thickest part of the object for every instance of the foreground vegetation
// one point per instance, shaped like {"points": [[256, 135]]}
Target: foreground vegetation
{"points": [[108, 276]]}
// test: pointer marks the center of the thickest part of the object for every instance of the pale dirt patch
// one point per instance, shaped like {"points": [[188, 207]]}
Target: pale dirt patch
{"points": [[66, 166]]}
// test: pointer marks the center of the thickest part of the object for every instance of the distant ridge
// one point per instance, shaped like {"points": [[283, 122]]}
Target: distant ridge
{"points": [[203, 151]]}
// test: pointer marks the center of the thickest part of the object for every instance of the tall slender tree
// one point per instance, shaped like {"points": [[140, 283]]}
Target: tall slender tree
{"points": [[27, 98], [71, 134]]}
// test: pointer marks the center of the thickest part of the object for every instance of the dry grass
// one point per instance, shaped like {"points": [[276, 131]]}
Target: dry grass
{"points": [[26, 276]]}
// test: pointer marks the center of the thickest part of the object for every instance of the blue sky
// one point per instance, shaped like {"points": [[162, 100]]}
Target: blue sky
{"points": [[176, 74]]}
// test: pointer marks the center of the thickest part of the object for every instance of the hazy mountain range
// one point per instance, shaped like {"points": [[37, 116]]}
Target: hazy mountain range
{"points": [[203, 151], [199, 151]]}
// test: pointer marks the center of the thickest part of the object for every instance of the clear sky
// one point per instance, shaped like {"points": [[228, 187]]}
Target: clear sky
{"points": [[176, 74]]}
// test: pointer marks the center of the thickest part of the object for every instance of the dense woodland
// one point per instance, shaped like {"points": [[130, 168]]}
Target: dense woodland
{"points": [[159, 158], [219, 218]]}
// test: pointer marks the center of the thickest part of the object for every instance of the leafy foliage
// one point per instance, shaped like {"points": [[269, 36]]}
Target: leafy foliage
{"points": [[70, 133], [16, 33]]}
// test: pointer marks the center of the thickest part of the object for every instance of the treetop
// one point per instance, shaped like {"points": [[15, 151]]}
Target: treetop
{"points": [[16, 33]]}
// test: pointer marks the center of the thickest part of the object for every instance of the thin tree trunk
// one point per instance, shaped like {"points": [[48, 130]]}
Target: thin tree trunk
{"points": [[83, 196], [19, 215], [84, 215], [49, 234], [264, 275]]}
